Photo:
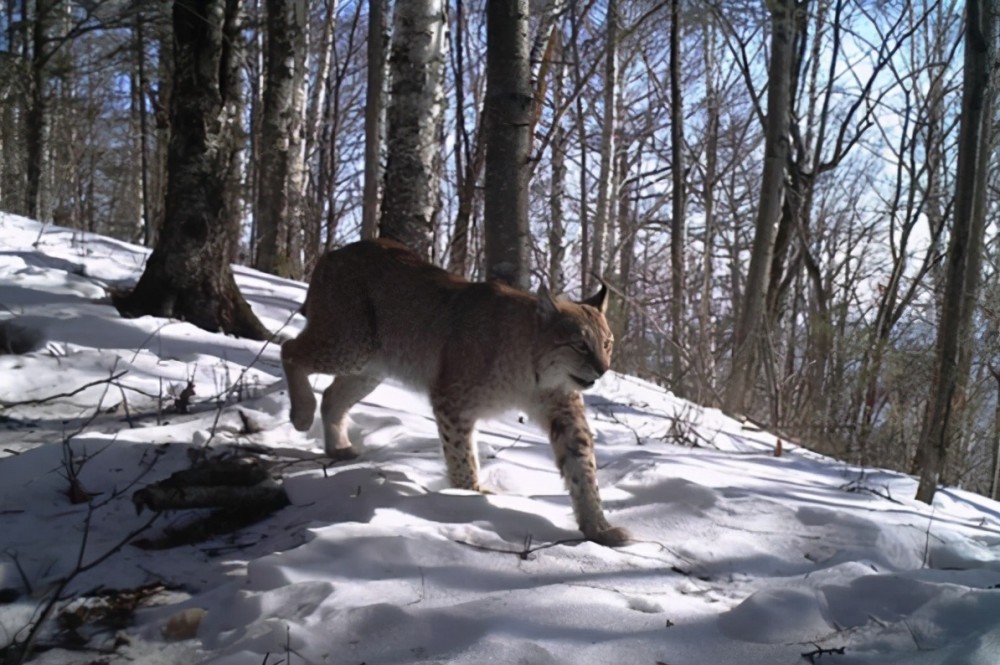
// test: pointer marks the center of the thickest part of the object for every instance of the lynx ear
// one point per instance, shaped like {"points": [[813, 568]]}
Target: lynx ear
{"points": [[546, 305], [599, 300]]}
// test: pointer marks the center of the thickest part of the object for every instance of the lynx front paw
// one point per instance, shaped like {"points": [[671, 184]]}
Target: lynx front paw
{"points": [[609, 536]]}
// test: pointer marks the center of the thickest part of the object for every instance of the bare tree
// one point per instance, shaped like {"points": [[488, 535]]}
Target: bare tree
{"points": [[948, 390], [280, 184], [508, 111], [414, 115], [750, 331], [188, 276], [469, 151], [678, 208], [557, 182], [38, 123], [606, 179], [374, 104]]}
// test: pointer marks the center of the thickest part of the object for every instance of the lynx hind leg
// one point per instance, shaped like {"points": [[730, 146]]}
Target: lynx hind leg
{"points": [[345, 391], [573, 446], [297, 370], [336, 340], [458, 440]]}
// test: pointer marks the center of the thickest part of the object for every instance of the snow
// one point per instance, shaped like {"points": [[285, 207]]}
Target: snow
{"points": [[740, 557]]}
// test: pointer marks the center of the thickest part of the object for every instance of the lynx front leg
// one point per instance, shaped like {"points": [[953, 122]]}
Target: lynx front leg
{"points": [[574, 451], [457, 438], [343, 393]]}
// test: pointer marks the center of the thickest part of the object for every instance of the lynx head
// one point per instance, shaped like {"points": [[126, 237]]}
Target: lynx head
{"points": [[574, 348]]}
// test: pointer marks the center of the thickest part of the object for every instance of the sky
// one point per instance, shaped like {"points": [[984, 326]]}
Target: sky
{"points": [[741, 556]]}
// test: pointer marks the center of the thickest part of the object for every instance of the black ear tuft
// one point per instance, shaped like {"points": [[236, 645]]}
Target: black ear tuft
{"points": [[546, 305], [599, 300]]}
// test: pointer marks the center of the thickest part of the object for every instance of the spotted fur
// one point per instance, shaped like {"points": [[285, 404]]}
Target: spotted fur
{"points": [[375, 311]]}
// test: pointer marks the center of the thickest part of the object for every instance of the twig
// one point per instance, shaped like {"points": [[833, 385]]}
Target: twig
{"points": [[927, 539], [27, 402], [20, 571], [27, 646], [812, 656], [525, 553], [128, 415], [243, 372]]}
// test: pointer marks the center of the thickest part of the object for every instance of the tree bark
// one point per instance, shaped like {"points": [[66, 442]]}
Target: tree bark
{"points": [[557, 251], [678, 203], [188, 276], [277, 194], [576, 19], [374, 103], [706, 336], [750, 330], [144, 192], [508, 114], [607, 174], [947, 398], [413, 119], [470, 155], [38, 123]]}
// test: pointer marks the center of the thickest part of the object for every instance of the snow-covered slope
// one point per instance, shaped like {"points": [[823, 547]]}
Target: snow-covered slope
{"points": [[741, 557]]}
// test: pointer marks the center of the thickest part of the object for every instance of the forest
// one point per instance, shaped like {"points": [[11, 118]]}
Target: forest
{"points": [[793, 202]]}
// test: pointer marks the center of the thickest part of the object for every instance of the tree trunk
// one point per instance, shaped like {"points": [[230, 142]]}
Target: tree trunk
{"points": [[38, 123], [706, 336], [413, 118], [470, 155], [557, 231], [678, 206], [188, 276], [374, 103], [750, 330], [606, 177], [508, 119], [277, 195], [581, 128], [947, 398], [314, 197], [995, 448], [144, 193]]}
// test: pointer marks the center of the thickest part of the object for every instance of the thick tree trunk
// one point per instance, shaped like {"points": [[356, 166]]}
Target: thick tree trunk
{"points": [[413, 118], [374, 103], [948, 397], [508, 114], [750, 330], [277, 192], [189, 276]]}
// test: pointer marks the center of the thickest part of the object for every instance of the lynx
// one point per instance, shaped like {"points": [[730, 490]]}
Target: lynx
{"points": [[376, 310]]}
